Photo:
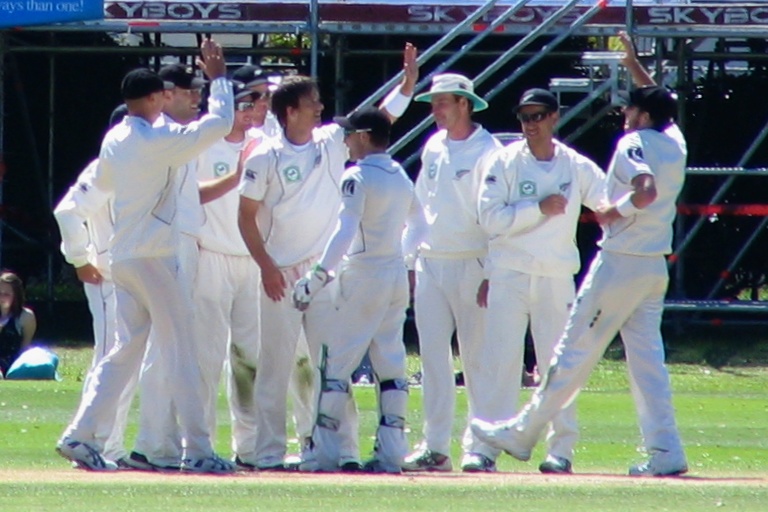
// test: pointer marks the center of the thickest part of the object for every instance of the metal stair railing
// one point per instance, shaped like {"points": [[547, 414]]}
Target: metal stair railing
{"points": [[432, 50], [506, 57], [592, 60]]}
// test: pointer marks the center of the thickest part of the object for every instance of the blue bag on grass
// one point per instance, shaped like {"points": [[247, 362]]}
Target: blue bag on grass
{"points": [[35, 363]]}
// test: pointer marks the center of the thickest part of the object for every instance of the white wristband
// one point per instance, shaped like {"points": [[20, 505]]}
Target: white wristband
{"points": [[625, 207], [395, 103]]}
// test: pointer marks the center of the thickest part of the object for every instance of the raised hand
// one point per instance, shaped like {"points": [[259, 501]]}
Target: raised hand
{"points": [[410, 68], [211, 59], [629, 48]]}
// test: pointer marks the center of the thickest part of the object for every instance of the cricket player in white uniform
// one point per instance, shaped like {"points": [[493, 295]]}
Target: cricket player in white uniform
{"points": [[159, 442], [363, 309], [288, 209], [84, 216], [141, 161], [449, 268], [262, 84], [227, 294], [529, 204], [624, 289]]}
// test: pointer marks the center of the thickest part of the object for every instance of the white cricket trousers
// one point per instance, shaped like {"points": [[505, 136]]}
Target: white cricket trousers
{"points": [[516, 301], [284, 362], [148, 295], [101, 303], [226, 313], [621, 293], [362, 310], [159, 437], [445, 300]]}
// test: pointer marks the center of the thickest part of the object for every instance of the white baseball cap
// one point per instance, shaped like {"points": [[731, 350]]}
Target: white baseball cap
{"points": [[453, 83]]}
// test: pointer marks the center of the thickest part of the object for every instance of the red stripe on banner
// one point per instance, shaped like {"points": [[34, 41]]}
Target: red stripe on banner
{"points": [[758, 210], [735, 210], [479, 27]]}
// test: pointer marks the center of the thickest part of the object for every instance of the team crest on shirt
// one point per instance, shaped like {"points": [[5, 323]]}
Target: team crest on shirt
{"points": [[250, 175], [527, 188], [565, 187], [220, 168], [460, 174], [635, 153], [292, 174], [432, 171], [83, 187], [348, 188], [490, 179]]}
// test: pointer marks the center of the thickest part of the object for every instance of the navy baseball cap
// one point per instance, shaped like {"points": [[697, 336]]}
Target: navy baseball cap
{"points": [[181, 76], [658, 101], [368, 119], [250, 75], [538, 97], [142, 82]]}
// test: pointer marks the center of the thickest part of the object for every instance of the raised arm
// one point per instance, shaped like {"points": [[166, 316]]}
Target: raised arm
{"points": [[640, 75], [395, 103]]}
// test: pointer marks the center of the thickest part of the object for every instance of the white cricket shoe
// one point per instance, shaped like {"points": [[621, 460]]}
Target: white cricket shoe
{"points": [[501, 435], [424, 459], [213, 465], [661, 463], [84, 455]]}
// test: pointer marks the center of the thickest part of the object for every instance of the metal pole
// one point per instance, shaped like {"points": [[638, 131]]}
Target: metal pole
{"points": [[2, 134], [51, 96], [629, 18], [339, 105], [314, 17]]}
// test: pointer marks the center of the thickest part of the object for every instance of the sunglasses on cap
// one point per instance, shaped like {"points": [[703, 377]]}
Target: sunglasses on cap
{"points": [[535, 117], [349, 132], [244, 105], [256, 95]]}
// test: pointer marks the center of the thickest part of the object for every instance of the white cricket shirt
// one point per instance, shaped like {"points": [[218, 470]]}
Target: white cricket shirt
{"points": [[663, 155], [143, 163], [220, 232], [378, 198], [298, 187], [521, 237], [447, 188]]}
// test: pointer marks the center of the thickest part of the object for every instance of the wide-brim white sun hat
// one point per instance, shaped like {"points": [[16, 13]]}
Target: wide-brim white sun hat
{"points": [[453, 83]]}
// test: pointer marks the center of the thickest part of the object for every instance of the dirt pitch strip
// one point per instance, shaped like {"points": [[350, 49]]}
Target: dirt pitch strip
{"points": [[74, 476]]}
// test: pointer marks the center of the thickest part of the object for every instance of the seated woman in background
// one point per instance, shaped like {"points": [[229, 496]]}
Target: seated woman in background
{"points": [[17, 323]]}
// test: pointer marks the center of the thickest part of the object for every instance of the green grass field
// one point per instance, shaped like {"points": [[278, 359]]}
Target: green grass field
{"points": [[723, 417]]}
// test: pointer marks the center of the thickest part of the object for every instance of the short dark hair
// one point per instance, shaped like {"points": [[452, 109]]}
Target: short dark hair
{"points": [[380, 140], [17, 306], [289, 94]]}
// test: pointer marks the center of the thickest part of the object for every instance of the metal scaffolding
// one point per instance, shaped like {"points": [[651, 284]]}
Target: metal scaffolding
{"points": [[327, 24]]}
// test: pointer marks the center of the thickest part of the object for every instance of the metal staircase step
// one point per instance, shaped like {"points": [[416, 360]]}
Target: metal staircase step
{"points": [[571, 85]]}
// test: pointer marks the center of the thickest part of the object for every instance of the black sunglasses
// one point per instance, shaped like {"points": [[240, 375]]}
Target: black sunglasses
{"points": [[535, 117]]}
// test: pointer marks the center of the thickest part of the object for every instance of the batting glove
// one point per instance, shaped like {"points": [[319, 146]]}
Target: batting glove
{"points": [[308, 285]]}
